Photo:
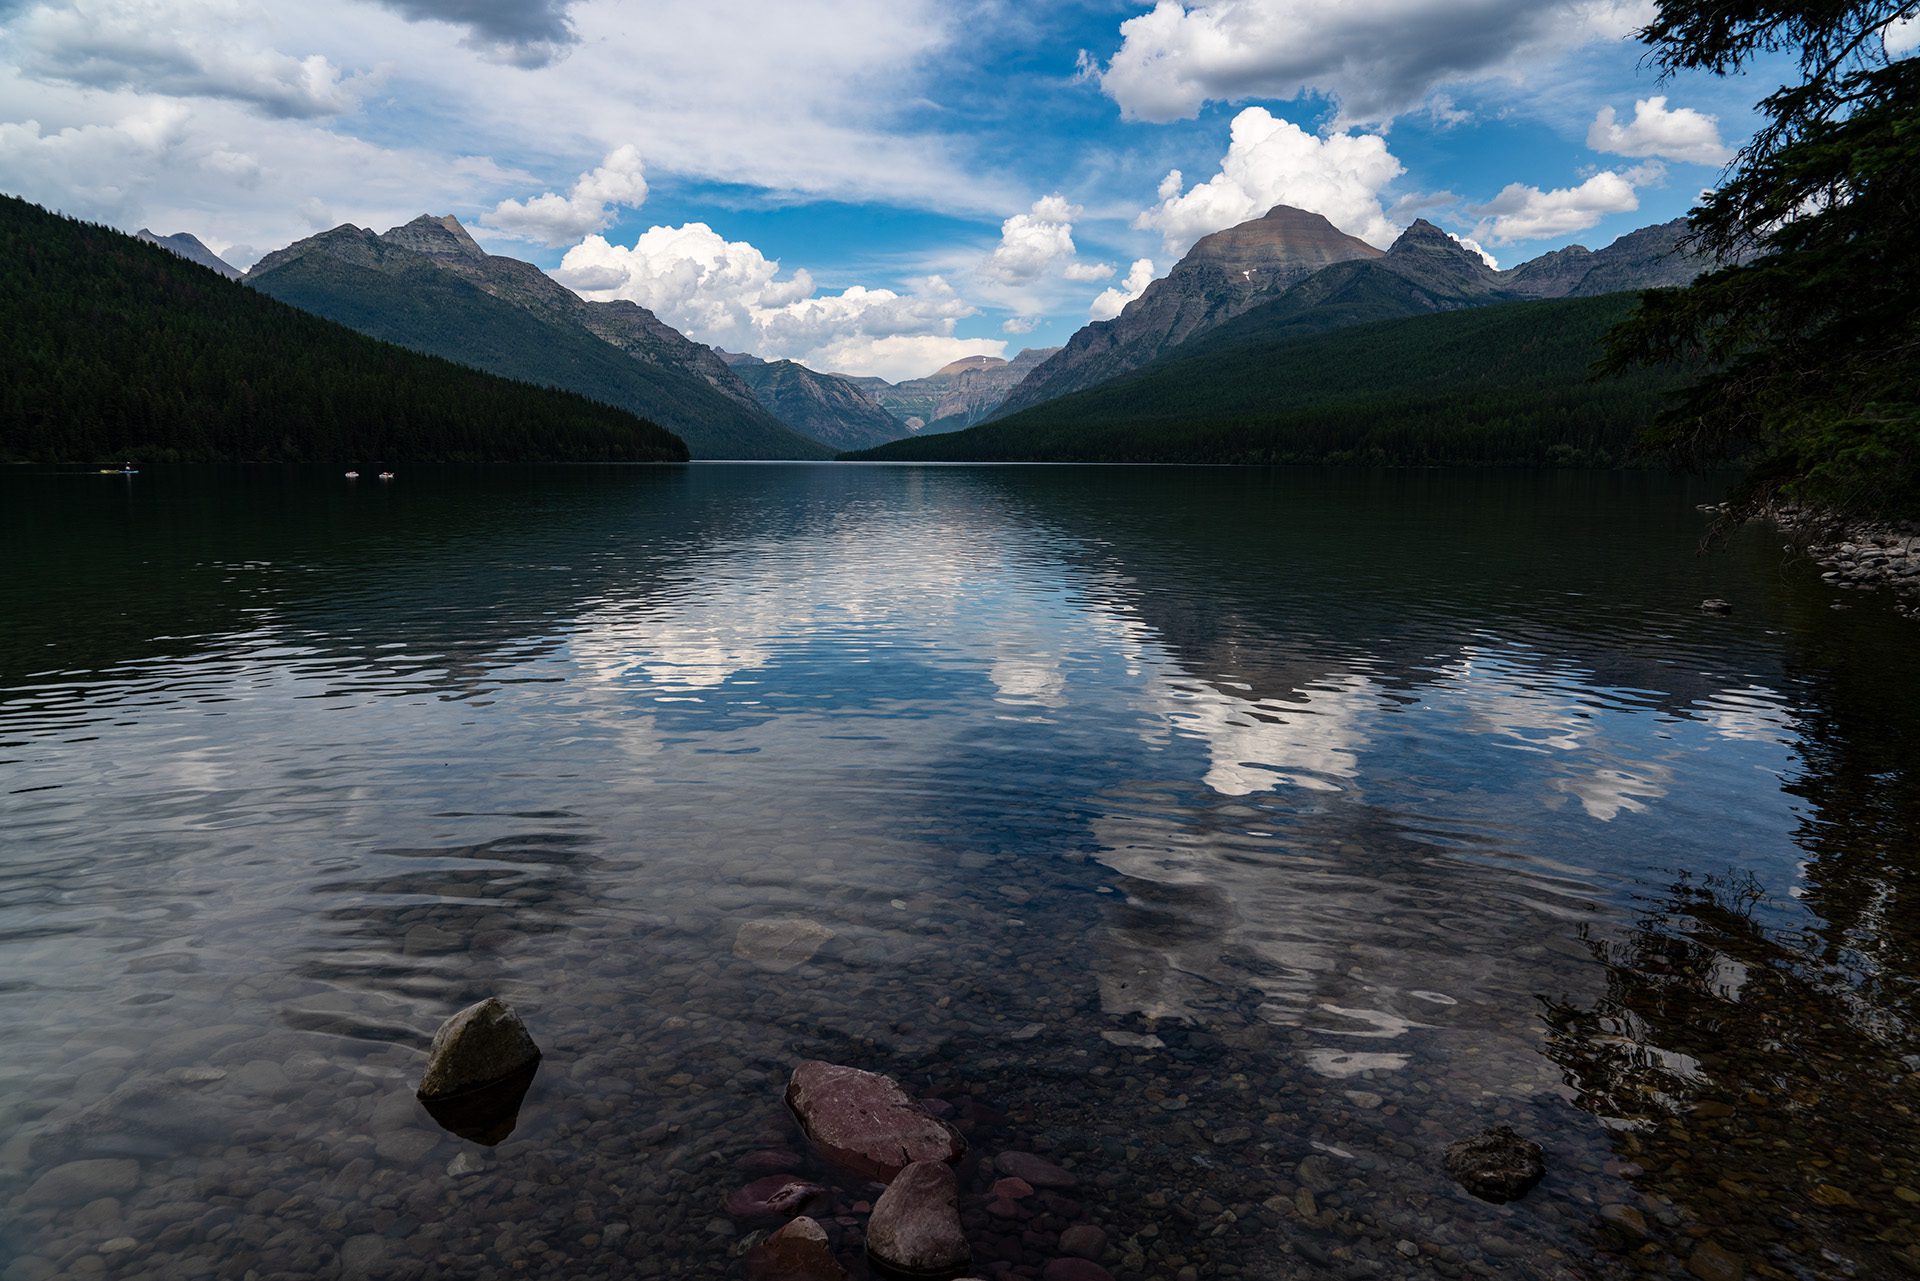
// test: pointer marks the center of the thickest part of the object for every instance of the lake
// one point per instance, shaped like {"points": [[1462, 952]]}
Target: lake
{"points": [[1234, 840]]}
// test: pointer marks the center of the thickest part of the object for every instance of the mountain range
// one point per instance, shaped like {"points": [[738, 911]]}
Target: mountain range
{"points": [[428, 286], [1300, 274]]}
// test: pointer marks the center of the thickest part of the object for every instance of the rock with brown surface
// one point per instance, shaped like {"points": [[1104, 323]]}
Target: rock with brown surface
{"points": [[797, 1252], [1498, 1166], [865, 1122], [915, 1229]]}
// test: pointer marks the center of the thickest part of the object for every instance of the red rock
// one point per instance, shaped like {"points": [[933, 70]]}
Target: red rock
{"points": [[769, 1161], [1075, 1270], [1012, 1189], [915, 1226], [1038, 1171], [797, 1252], [1005, 1210], [865, 1122], [777, 1196], [1083, 1240]]}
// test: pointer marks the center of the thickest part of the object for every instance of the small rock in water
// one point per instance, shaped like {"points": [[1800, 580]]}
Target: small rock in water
{"points": [[481, 1045], [778, 1196], [769, 1161], [915, 1228], [1038, 1171], [797, 1252], [778, 946], [1711, 1263], [1626, 1219], [1498, 1166], [1132, 1040], [1715, 606], [78, 1182], [865, 1122], [1083, 1240], [1075, 1270]]}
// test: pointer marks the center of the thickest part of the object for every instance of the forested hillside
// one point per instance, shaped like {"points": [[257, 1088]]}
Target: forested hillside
{"points": [[1506, 384], [119, 349]]}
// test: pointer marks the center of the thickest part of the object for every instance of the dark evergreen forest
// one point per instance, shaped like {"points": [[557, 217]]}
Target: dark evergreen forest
{"points": [[116, 349]]}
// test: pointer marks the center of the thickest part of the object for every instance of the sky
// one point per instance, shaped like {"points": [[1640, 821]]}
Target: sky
{"points": [[867, 186]]}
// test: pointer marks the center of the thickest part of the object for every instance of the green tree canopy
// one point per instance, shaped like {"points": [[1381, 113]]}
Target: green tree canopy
{"points": [[1811, 324]]}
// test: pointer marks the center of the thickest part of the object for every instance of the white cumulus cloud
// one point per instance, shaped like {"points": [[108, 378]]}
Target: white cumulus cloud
{"points": [[1113, 301], [1084, 273], [1679, 133], [1271, 162], [1521, 212], [1374, 58], [620, 181], [1032, 243], [731, 295]]}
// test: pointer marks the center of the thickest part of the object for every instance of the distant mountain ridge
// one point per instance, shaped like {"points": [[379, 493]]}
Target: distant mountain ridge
{"points": [[1504, 384], [958, 394], [1258, 280], [429, 286], [827, 407], [188, 246]]}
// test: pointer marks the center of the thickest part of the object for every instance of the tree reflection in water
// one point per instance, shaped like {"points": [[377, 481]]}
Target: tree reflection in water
{"points": [[1761, 1101]]}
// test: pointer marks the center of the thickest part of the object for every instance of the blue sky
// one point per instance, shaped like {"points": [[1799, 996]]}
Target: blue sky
{"points": [[874, 186]]}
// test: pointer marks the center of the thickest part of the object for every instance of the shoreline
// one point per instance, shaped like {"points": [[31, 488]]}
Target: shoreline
{"points": [[1856, 554]]}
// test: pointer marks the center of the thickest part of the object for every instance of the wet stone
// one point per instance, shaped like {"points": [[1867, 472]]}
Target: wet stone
{"points": [[778, 946], [798, 1252], [1497, 1166], [865, 1122], [1710, 1262], [1084, 1241], [777, 1196], [83, 1181], [915, 1228], [479, 1046], [1035, 1170]]}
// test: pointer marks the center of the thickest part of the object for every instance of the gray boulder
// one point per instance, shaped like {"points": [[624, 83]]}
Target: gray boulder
{"points": [[915, 1228], [482, 1045]]}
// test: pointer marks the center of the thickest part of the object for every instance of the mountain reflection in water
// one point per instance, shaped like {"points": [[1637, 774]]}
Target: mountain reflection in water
{"points": [[1238, 838]]}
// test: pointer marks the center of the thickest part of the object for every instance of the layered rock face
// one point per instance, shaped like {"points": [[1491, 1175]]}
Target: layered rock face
{"points": [[1224, 275], [428, 285]]}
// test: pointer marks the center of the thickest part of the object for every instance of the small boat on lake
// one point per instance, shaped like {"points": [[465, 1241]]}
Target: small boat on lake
{"points": [[386, 475], [125, 469], [353, 475]]}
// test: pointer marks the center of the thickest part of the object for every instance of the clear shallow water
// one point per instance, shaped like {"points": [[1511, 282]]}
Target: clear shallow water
{"points": [[1237, 839]]}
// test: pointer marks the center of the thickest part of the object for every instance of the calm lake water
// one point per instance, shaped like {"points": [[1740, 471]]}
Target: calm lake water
{"points": [[1234, 839]]}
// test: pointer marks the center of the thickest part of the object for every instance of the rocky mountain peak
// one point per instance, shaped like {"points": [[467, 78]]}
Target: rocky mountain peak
{"points": [[1290, 241], [186, 245], [441, 237], [966, 363]]}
